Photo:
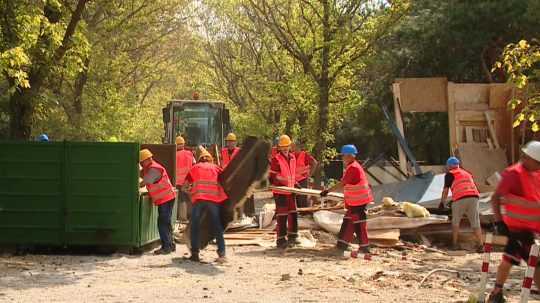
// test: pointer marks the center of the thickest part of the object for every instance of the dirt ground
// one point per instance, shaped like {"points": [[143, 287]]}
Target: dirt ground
{"points": [[253, 274]]}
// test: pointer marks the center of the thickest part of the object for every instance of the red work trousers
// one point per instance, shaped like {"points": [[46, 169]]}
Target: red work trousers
{"points": [[287, 218], [354, 222]]}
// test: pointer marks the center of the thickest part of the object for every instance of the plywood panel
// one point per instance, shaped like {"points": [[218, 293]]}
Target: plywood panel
{"points": [[422, 94], [471, 93], [482, 163], [499, 95]]}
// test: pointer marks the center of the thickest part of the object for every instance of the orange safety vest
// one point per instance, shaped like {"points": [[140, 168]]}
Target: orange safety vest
{"points": [[302, 170], [162, 191], [523, 212], [184, 162], [225, 158], [463, 185], [286, 174], [357, 194], [205, 183]]}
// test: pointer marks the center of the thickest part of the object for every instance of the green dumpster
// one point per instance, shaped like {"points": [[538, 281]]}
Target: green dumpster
{"points": [[73, 194]]}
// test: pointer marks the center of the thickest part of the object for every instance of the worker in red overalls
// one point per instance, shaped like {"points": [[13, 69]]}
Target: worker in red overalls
{"points": [[162, 194], [206, 193], [282, 173], [230, 151], [184, 162], [519, 194], [305, 167], [465, 199], [357, 194]]}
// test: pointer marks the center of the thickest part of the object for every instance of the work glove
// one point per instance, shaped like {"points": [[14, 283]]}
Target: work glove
{"points": [[297, 185], [441, 205], [324, 193], [501, 228]]}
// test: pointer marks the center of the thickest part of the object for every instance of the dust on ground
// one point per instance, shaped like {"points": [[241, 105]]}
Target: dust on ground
{"points": [[253, 274]]}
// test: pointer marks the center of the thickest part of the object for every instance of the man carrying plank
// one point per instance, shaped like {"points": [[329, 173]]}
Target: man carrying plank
{"points": [[357, 195]]}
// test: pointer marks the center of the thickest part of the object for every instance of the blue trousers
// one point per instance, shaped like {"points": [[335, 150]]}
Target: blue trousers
{"points": [[214, 211], [164, 224]]}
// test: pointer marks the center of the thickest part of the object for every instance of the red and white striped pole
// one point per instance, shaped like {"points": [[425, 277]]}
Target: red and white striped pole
{"points": [[488, 248], [529, 272]]}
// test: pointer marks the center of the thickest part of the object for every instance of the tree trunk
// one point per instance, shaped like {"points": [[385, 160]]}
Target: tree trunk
{"points": [[20, 112], [324, 92]]}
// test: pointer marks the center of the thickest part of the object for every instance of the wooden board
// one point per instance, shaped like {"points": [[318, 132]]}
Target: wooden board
{"points": [[421, 94], [309, 192]]}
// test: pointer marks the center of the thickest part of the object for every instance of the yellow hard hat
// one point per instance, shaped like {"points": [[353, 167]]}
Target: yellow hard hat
{"points": [[284, 140], [231, 137], [204, 153], [144, 154], [180, 140]]}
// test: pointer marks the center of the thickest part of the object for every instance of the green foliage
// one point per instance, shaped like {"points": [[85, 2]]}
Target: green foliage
{"points": [[521, 62]]}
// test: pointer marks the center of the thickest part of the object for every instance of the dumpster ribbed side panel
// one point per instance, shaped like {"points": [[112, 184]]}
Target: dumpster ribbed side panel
{"points": [[31, 193], [148, 220], [102, 194]]}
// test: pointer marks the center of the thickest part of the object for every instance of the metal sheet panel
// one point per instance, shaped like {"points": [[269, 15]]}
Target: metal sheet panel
{"points": [[31, 192], [102, 194]]}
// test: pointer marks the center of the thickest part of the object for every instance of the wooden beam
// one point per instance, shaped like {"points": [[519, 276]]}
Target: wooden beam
{"points": [[399, 124], [491, 128]]}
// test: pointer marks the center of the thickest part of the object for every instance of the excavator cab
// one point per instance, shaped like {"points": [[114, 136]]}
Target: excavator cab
{"points": [[200, 122]]}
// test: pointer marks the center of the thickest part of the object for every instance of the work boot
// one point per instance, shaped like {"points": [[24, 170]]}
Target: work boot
{"points": [[194, 258], [364, 250], [496, 296], [162, 251], [293, 242], [281, 244], [221, 260]]}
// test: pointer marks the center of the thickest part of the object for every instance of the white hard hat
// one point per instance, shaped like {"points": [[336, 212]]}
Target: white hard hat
{"points": [[532, 149]]}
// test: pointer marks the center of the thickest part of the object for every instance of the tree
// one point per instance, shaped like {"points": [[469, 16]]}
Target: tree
{"points": [[521, 62], [34, 40], [326, 38]]}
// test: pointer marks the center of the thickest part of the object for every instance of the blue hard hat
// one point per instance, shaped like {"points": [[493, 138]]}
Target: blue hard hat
{"points": [[349, 149], [452, 161], [43, 138]]}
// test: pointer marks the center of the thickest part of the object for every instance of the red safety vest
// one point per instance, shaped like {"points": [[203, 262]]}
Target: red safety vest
{"points": [[302, 170], [205, 183], [162, 191], [286, 174], [225, 158], [523, 212], [184, 162], [463, 185], [357, 194], [273, 152]]}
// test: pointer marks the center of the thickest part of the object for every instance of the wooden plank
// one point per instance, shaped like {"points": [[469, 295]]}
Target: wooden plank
{"points": [[399, 124], [468, 135], [491, 128]]}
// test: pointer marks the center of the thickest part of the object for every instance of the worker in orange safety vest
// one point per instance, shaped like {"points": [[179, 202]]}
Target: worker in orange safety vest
{"points": [[184, 162], [206, 193], [163, 195], [305, 167], [357, 195], [230, 151], [465, 200], [516, 208], [282, 173]]}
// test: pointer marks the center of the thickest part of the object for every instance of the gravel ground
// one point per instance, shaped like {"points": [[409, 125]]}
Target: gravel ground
{"points": [[253, 274]]}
